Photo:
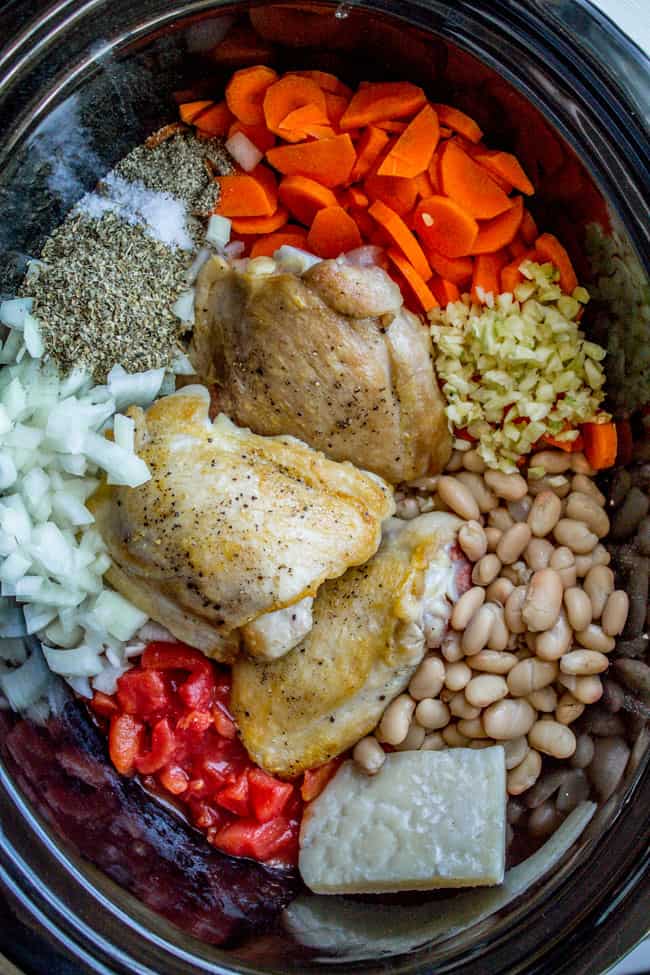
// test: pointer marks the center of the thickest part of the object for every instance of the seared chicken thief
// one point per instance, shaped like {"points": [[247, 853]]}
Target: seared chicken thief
{"points": [[371, 629], [331, 357], [234, 533]]}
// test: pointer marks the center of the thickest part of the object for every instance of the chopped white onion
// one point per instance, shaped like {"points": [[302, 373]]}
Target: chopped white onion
{"points": [[118, 616], [14, 310], [124, 432], [134, 389], [8, 472], [106, 682], [367, 256], [234, 249], [219, 229], [244, 152], [27, 683], [77, 662], [201, 257], [120, 466], [33, 337], [181, 366], [183, 307], [294, 259]]}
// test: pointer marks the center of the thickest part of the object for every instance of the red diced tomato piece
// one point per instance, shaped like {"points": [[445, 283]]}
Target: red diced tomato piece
{"points": [[234, 797], [174, 779], [262, 841], [195, 722], [315, 779], [161, 751], [104, 705], [268, 795], [125, 739], [205, 816], [198, 690], [223, 722], [173, 656], [143, 692]]}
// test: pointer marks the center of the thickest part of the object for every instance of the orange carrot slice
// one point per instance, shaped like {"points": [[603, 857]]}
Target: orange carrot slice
{"points": [[423, 185], [457, 270], [268, 245], [336, 106], [401, 236], [552, 250], [411, 154], [517, 247], [188, 111], [456, 120], [353, 197], [507, 167], [600, 444], [215, 121], [258, 134], [499, 231], [333, 232], [424, 296], [304, 197], [260, 225], [528, 229], [486, 276], [329, 83], [382, 101], [444, 226], [444, 291], [389, 126], [369, 148], [329, 161], [246, 90], [294, 127], [288, 94], [470, 185], [248, 194], [511, 276], [398, 194]]}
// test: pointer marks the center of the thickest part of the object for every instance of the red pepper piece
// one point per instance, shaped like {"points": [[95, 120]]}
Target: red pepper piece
{"points": [[268, 795], [143, 692], [161, 751], [125, 739]]}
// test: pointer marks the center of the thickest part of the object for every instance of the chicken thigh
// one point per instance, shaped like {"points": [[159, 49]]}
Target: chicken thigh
{"points": [[371, 629], [331, 357], [234, 533]]}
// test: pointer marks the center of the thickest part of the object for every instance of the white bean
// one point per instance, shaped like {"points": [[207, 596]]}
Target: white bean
{"points": [[615, 613], [500, 518], [568, 709], [551, 644], [486, 570], [485, 690], [369, 755], [583, 663], [484, 498], [513, 542], [461, 708], [493, 661], [544, 514], [458, 676], [413, 740], [511, 487], [433, 743], [524, 775], [553, 461], [472, 461], [515, 751], [477, 632], [531, 675], [580, 465], [557, 483], [428, 679], [594, 638], [578, 607], [455, 462], [587, 690], [453, 738], [544, 700], [599, 584], [396, 720], [432, 715], [575, 535], [499, 634], [499, 590], [543, 600], [552, 738], [467, 606], [492, 535], [584, 508], [585, 485], [472, 540], [508, 719], [451, 647], [513, 610], [473, 729], [537, 554], [564, 562], [458, 497]]}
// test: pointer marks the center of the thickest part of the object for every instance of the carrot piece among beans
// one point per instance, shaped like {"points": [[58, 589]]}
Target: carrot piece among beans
{"points": [[268, 245], [486, 276], [552, 250], [248, 194], [601, 443], [304, 197], [288, 94], [260, 225]]}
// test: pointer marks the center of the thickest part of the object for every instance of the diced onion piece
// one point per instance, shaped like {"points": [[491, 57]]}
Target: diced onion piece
{"points": [[294, 259], [367, 256], [124, 432], [106, 682], [181, 366], [8, 472], [134, 389], [234, 249], [244, 152], [219, 229], [14, 567], [27, 683], [33, 337], [14, 310], [117, 615], [81, 661], [183, 307], [120, 466], [38, 616], [201, 257]]}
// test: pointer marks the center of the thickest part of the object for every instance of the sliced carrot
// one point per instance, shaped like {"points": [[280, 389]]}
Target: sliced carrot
{"points": [[444, 226], [268, 245], [294, 128], [260, 225], [552, 250], [248, 194], [188, 111], [419, 288], [329, 83], [456, 120], [320, 131], [353, 197], [246, 90], [389, 126], [288, 94], [568, 446], [458, 270], [511, 276], [444, 132], [499, 231], [382, 101], [401, 236], [329, 161], [411, 154], [336, 106], [258, 134], [399, 194], [486, 276], [369, 148], [507, 167], [528, 229], [216, 120], [304, 197], [423, 185], [365, 223], [469, 184], [600, 444], [333, 232], [517, 246], [444, 291]]}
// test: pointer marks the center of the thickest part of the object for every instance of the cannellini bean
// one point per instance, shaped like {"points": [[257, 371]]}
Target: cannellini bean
{"points": [[524, 775], [575, 535], [544, 514], [520, 509], [461, 708], [432, 714], [477, 632], [453, 738], [508, 719], [500, 518], [633, 510], [458, 497], [472, 540], [511, 487], [467, 606], [544, 820], [518, 573], [594, 638], [493, 661], [428, 679], [615, 613], [515, 751], [573, 791], [585, 485], [455, 462], [564, 562], [513, 542], [543, 600], [484, 498], [583, 564], [584, 752], [458, 676], [544, 700], [485, 690], [513, 610], [587, 690], [486, 570], [598, 585], [433, 743], [584, 508], [568, 708], [551, 644], [492, 535], [396, 720], [530, 675], [499, 590], [472, 728], [413, 740], [451, 648], [472, 461], [369, 755], [552, 738], [600, 555], [578, 607], [499, 633], [407, 509], [580, 464], [583, 663], [553, 461], [537, 554], [558, 483]]}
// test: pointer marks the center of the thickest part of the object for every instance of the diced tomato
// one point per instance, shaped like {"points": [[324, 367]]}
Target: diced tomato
{"points": [[104, 705], [568, 446], [223, 722], [143, 692], [174, 779], [197, 691], [125, 739], [262, 841], [268, 795], [173, 656], [161, 751], [235, 796], [195, 722], [315, 779], [205, 816]]}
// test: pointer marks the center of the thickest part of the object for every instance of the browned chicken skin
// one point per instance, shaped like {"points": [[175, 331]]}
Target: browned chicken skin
{"points": [[331, 357]]}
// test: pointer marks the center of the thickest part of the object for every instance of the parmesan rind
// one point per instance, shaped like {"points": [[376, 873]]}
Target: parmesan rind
{"points": [[426, 820]]}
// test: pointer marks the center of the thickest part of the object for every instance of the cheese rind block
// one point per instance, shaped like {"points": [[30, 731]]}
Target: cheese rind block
{"points": [[426, 820]]}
